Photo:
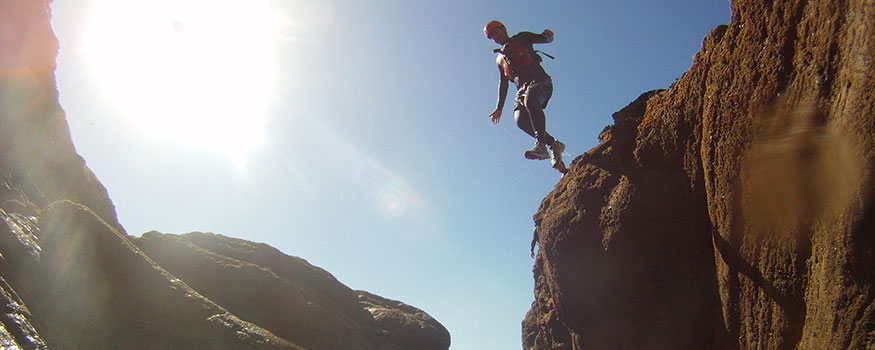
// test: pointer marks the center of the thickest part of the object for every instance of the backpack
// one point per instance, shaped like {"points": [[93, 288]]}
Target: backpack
{"points": [[518, 58]]}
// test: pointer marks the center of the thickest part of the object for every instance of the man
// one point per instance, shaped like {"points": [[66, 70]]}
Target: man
{"points": [[519, 62]]}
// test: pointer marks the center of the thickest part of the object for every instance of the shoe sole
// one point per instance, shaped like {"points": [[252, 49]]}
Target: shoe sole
{"points": [[533, 156]]}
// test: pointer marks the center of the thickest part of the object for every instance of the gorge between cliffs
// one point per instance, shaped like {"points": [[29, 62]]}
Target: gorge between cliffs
{"points": [[731, 210]]}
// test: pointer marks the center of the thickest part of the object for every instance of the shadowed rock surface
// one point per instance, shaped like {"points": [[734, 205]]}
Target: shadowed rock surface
{"points": [[93, 289], [290, 297], [733, 210], [405, 325], [71, 278]]}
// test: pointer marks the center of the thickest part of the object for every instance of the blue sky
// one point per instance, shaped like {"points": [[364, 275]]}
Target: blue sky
{"points": [[366, 146]]}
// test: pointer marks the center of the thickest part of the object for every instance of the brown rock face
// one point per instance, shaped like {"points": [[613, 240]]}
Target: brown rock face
{"points": [[733, 210]]}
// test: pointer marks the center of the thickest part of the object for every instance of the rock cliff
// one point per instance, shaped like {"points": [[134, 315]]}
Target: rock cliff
{"points": [[71, 278], [733, 210]]}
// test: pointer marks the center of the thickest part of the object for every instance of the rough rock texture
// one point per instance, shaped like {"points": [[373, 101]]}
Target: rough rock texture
{"points": [[405, 325], [71, 278], [290, 297], [93, 289], [733, 210]]}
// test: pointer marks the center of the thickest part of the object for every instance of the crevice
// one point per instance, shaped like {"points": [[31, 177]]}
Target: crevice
{"points": [[834, 58], [788, 49]]}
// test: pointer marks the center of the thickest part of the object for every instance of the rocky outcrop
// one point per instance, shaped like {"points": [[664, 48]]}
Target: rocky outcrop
{"points": [[71, 278], [733, 210], [290, 297], [405, 325], [92, 289]]}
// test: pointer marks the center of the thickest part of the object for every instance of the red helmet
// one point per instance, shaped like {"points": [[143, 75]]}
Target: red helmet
{"points": [[492, 25]]}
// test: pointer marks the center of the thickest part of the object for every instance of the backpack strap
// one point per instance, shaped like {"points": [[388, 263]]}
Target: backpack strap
{"points": [[545, 54], [498, 50]]}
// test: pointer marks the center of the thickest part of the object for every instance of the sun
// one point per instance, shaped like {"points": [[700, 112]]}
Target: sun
{"points": [[190, 71]]}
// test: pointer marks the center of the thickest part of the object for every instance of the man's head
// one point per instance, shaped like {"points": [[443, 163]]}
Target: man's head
{"points": [[497, 32]]}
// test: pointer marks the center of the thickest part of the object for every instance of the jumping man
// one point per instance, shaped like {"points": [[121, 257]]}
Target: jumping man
{"points": [[518, 61]]}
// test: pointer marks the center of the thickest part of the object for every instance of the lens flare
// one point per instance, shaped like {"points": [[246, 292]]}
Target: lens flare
{"points": [[392, 196], [391, 205]]}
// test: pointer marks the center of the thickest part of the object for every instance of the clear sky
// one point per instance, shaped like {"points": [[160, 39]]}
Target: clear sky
{"points": [[356, 134]]}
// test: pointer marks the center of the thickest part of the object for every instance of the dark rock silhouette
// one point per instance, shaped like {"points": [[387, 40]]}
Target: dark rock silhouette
{"points": [[71, 278], [733, 210], [290, 297], [405, 325]]}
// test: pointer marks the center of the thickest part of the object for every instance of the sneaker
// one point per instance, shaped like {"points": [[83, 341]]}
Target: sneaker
{"points": [[556, 149], [539, 152]]}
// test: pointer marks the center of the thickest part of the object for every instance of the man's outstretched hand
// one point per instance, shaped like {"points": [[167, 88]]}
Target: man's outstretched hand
{"points": [[496, 116]]}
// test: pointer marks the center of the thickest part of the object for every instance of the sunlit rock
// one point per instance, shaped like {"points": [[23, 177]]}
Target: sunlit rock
{"points": [[733, 210]]}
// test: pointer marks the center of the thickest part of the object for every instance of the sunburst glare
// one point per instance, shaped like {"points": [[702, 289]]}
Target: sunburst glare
{"points": [[187, 74]]}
